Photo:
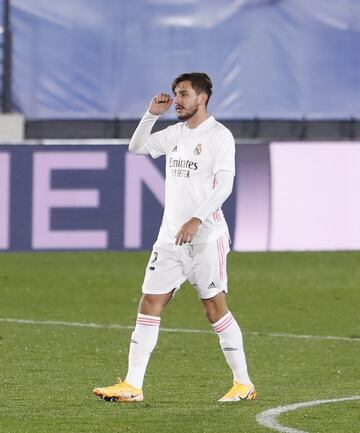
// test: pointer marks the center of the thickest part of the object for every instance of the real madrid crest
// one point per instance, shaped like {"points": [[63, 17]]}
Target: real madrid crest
{"points": [[198, 149]]}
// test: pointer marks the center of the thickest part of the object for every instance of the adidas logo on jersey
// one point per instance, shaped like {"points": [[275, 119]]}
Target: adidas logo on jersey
{"points": [[212, 285], [175, 149]]}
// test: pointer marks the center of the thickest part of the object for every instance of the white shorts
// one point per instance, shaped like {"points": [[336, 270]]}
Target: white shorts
{"points": [[204, 265]]}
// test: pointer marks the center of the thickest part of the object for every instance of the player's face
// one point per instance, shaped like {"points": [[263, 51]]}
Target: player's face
{"points": [[186, 100]]}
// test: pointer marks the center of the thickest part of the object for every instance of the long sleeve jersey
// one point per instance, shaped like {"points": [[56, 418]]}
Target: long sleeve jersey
{"points": [[200, 166]]}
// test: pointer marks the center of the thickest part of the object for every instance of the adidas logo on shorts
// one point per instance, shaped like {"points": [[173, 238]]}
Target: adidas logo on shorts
{"points": [[212, 285]]}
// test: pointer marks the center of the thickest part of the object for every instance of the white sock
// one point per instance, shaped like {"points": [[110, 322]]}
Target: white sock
{"points": [[231, 343], [143, 342]]}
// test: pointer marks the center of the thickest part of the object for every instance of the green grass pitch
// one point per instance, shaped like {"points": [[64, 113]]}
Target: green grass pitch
{"points": [[47, 371]]}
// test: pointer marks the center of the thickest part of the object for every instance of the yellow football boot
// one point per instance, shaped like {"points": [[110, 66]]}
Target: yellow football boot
{"points": [[240, 392], [122, 391]]}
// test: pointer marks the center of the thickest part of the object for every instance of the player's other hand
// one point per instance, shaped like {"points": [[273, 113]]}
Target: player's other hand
{"points": [[187, 231], [160, 103]]}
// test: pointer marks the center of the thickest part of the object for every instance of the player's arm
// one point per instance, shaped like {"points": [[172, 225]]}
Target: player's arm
{"points": [[158, 105], [222, 190]]}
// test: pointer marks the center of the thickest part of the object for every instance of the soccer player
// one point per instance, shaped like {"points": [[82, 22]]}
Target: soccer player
{"points": [[193, 240]]}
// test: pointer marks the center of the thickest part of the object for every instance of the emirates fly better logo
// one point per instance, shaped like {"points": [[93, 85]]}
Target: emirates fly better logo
{"points": [[198, 149]]}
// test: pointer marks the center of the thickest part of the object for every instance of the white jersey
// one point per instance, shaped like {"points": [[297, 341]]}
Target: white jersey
{"points": [[193, 157]]}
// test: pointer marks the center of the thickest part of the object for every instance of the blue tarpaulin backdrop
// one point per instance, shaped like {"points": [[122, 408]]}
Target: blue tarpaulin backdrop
{"points": [[267, 58]]}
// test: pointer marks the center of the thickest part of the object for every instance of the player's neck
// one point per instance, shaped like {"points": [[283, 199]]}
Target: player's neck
{"points": [[199, 117]]}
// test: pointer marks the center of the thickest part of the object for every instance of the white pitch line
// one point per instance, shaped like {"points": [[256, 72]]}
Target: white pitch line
{"points": [[175, 330], [304, 336], [96, 325], [62, 323], [268, 417]]}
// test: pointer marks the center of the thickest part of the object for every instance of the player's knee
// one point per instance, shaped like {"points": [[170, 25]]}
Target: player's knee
{"points": [[215, 308], [211, 315], [153, 305]]}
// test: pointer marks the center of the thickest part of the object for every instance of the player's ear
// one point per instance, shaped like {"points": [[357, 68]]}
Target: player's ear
{"points": [[203, 98]]}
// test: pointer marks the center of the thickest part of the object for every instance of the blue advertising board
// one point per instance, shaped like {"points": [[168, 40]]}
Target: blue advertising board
{"points": [[86, 197], [286, 196]]}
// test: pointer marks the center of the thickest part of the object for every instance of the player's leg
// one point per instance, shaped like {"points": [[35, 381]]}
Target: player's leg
{"points": [[163, 277], [209, 273], [145, 336], [231, 342], [230, 337], [142, 343]]}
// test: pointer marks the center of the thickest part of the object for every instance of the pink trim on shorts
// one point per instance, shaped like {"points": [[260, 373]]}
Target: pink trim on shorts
{"points": [[223, 254], [220, 248]]}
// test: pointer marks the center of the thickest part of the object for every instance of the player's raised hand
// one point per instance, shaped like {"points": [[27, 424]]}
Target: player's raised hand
{"points": [[160, 103]]}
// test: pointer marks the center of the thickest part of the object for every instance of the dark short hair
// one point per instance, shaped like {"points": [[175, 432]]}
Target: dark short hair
{"points": [[200, 82]]}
